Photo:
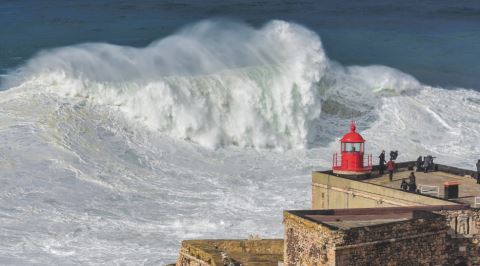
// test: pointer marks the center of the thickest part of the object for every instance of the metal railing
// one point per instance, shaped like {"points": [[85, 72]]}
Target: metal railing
{"points": [[430, 190], [477, 202], [369, 161], [366, 158], [335, 160]]}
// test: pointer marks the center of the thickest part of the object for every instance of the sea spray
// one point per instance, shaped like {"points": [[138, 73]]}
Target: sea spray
{"points": [[212, 83]]}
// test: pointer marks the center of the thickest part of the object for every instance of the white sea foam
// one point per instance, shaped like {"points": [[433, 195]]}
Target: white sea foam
{"points": [[217, 84], [214, 84], [95, 169]]}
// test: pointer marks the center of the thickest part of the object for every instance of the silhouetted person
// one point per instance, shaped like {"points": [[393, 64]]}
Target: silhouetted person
{"points": [[478, 172], [390, 169], [427, 163], [412, 178], [393, 155], [381, 163], [404, 185], [419, 163], [412, 186]]}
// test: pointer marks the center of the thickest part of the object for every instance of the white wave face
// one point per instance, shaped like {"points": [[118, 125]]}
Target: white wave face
{"points": [[95, 169], [213, 83]]}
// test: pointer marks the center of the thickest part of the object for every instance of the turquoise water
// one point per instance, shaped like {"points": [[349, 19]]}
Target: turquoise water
{"points": [[438, 42]]}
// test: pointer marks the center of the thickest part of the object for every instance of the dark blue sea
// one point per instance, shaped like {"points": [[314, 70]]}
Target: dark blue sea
{"points": [[438, 42]]}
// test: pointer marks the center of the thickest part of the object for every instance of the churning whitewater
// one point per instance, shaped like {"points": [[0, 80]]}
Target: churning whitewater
{"points": [[114, 154]]}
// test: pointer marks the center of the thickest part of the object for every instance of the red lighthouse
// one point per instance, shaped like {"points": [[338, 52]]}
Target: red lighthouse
{"points": [[352, 146]]}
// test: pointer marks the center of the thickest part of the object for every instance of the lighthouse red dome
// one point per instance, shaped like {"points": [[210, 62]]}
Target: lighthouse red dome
{"points": [[352, 136], [352, 147]]}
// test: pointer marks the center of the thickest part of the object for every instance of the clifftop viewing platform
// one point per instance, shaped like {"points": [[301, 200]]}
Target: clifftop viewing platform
{"points": [[358, 192], [432, 184]]}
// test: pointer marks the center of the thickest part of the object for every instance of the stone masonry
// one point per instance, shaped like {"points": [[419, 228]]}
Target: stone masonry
{"points": [[417, 241], [463, 236]]}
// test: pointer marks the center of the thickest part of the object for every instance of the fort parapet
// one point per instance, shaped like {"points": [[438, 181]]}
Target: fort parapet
{"points": [[330, 191], [231, 252], [395, 236]]}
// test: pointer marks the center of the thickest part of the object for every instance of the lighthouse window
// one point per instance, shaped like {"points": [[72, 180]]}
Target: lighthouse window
{"points": [[351, 147]]}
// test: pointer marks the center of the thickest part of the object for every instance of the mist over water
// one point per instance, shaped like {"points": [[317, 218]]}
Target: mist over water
{"points": [[218, 83], [114, 154], [214, 83]]}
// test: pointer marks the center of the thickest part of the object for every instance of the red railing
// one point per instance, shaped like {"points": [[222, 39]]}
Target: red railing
{"points": [[367, 161], [335, 160]]}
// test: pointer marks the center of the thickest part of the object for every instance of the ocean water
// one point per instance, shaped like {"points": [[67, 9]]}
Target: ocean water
{"points": [[126, 128]]}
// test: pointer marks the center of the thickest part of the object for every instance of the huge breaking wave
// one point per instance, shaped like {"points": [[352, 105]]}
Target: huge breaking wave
{"points": [[93, 151], [214, 83]]}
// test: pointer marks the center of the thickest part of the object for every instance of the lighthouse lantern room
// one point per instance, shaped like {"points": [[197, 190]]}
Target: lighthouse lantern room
{"points": [[352, 147]]}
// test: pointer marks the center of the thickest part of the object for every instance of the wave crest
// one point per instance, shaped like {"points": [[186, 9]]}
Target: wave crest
{"points": [[219, 83], [212, 83]]}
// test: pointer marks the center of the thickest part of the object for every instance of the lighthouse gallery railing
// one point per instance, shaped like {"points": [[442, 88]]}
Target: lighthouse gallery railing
{"points": [[366, 158]]}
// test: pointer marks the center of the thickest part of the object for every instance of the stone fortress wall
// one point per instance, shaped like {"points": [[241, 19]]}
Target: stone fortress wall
{"points": [[440, 235], [359, 222]]}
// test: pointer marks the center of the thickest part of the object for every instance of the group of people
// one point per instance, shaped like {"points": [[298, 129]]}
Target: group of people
{"points": [[411, 185], [425, 164], [390, 165]]}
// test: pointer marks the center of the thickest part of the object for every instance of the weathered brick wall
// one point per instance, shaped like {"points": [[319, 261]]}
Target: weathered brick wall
{"points": [[463, 251], [463, 237], [308, 243], [192, 256], [411, 242], [416, 242], [264, 252], [394, 230]]}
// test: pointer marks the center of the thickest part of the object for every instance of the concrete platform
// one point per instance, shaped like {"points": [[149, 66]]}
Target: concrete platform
{"points": [[344, 219], [348, 221], [468, 188]]}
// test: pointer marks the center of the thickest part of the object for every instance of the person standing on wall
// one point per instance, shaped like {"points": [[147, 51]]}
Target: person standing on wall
{"points": [[428, 163], [390, 169], [419, 163], [478, 172], [381, 163]]}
